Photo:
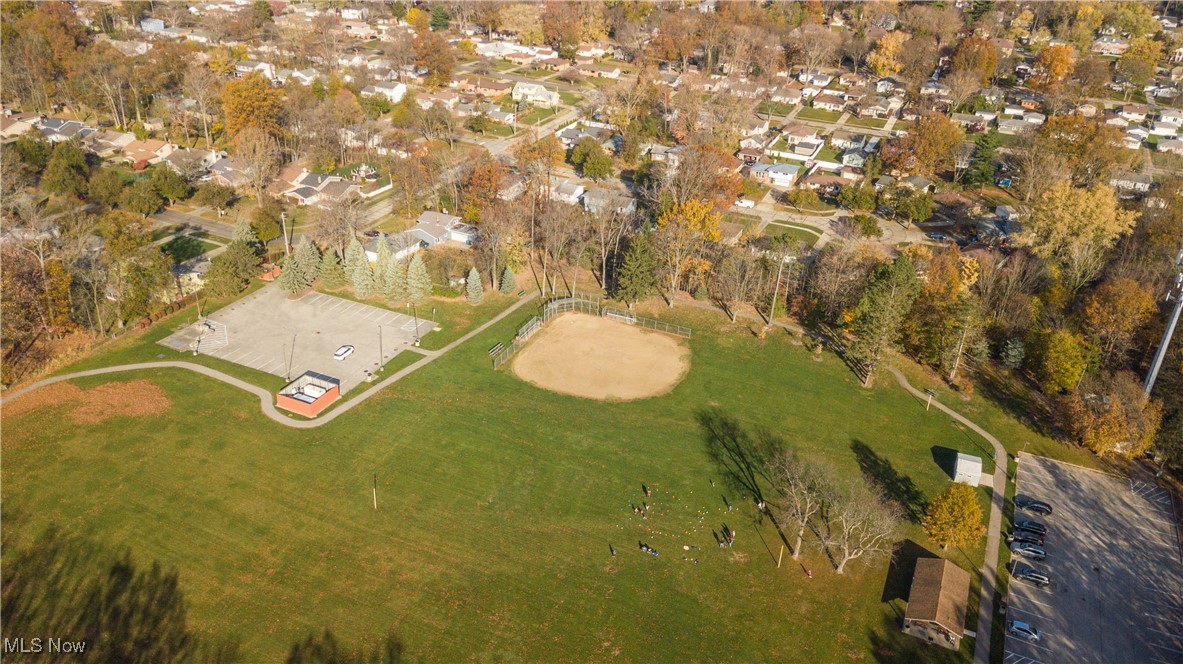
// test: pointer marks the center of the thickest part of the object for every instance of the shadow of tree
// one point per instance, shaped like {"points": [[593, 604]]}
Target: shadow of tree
{"points": [[324, 648], [880, 471], [742, 457], [1017, 398], [65, 586]]}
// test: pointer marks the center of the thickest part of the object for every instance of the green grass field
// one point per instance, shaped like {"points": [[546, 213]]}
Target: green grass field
{"points": [[810, 113], [795, 234], [774, 108], [497, 506], [183, 248], [874, 123]]}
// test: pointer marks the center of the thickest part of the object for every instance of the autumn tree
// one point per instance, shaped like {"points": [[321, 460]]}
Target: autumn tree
{"points": [[929, 147], [138, 272], [1057, 359], [881, 312], [1112, 416], [592, 160], [683, 231], [1074, 228], [67, 171], [1138, 63], [435, 54], [978, 55], [954, 517], [884, 59], [840, 272], [480, 187], [257, 152], [1054, 64], [1112, 313], [1089, 150], [141, 198], [251, 101]]}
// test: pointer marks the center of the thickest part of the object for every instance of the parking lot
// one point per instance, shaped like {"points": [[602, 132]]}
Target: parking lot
{"points": [[1116, 592], [268, 332]]}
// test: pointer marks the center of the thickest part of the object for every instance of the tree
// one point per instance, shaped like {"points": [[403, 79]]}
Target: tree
{"points": [[914, 206], [882, 310], [884, 59], [682, 233], [981, 166], [508, 281], [636, 278], [591, 158], [258, 154], [435, 54], [140, 198], [439, 18], [1138, 63], [1054, 64], [231, 271], [1112, 313], [34, 150], [66, 172], [301, 269], [1056, 358], [138, 272], [473, 287], [337, 225], [214, 195], [105, 187], [363, 279], [1091, 151], [1074, 228], [394, 281], [860, 524], [978, 55], [355, 256], [202, 86], [803, 490], [1168, 445], [930, 147], [734, 277], [954, 517], [418, 280], [867, 226], [251, 101], [1112, 416], [331, 273], [170, 185], [858, 197], [265, 221]]}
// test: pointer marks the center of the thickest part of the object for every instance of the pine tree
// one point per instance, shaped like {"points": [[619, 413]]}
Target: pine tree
{"points": [[637, 277], [332, 275], [394, 280], [362, 278], [382, 260], [307, 258], [355, 255], [418, 281], [954, 517], [508, 282], [245, 233], [476, 290], [289, 277], [1014, 351], [882, 311]]}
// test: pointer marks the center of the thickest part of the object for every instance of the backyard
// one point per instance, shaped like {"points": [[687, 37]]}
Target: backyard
{"points": [[498, 504]]}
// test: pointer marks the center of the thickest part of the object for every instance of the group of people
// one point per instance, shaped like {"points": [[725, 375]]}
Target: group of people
{"points": [[648, 549]]}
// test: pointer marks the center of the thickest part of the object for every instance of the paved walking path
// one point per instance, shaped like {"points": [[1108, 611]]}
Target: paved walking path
{"points": [[993, 532], [266, 398]]}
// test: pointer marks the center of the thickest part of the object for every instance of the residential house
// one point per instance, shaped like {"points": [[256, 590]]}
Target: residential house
{"points": [[511, 186], [244, 67], [393, 92], [151, 25], [436, 228], [855, 158], [598, 71], [11, 127], [850, 79], [227, 173], [355, 13], [360, 30], [934, 89], [916, 183], [1034, 118], [1170, 145], [575, 133], [1172, 116], [1006, 47], [1166, 129], [1110, 45], [749, 156], [786, 95], [795, 134], [401, 245], [831, 103], [483, 86], [566, 192], [666, 155], [1011, 126], [1117, 121], [57, 130], [874, 107], [603, 200], [1134, 112], [755, 126], [536, 94], [992, 96], [986, 116], [888, 85], [191, 161], [442, 98], [845, 140], [815, 77], [884, 182], [1087, 110], [825, 184], [777, 175], [1177, 55], [937, 603], [190, 274], [1132, 183], [970, 123], [108, 143]]}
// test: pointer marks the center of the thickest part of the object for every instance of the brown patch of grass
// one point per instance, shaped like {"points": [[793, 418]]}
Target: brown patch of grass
{"points": [[136, 398]]}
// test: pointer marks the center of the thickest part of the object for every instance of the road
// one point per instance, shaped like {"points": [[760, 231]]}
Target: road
{"points": [[266, 398]]}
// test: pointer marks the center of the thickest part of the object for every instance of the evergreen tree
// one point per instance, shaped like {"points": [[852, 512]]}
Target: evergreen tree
{"points": [[381, 263], [66, 173], [418, 280], [509, 283], [307, 258], [362, 278], [394, 280], [1014, 351], [981, 167], [231, 271], [474, 287], [355, 255], [289, 277], [637, 277], [332, 275], [882, 310], [245, 233]]}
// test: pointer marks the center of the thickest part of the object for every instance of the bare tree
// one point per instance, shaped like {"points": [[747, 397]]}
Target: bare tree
{"points": [[803, 490], [1005, 284], [860, 524], [257, 152], [813, 46], [337, 223], [609, 228], [840, 274], [734, 278], [963, 85]]}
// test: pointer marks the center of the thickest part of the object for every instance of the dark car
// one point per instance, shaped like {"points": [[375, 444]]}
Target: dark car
{"points": [[1033, 576], [1033, 506], [1031, 526], [936, 236], [1025, 538]]}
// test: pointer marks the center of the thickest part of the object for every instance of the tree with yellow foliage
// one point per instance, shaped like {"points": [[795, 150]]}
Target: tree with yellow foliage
{"points": [[954, 517], [1137, 64], [1054, 64], [251, 101], [683, 232], [884, 60]]}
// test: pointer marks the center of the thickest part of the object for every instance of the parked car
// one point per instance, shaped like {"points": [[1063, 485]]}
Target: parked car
{"points": [[1025, 538], [1033, 506], [1033, 576], [1031, 526], [1026, 550], [343, 352], [1022, 630], [936, 236], [745, 203]]}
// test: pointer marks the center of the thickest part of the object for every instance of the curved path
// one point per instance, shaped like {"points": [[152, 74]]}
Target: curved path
{"points": [[993, 533], [266, 399]]}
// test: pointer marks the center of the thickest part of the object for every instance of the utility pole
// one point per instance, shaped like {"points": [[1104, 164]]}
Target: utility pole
{"points": [[283, 219], [1167, 333], [380, 354], [415, 315]]}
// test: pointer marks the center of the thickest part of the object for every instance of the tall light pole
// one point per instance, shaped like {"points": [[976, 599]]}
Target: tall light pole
{"points": [[1177, 293], [415, 314], [380, 356]]}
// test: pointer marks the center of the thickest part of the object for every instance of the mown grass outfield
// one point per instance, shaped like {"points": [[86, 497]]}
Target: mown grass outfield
{"points": [[497, 505]]}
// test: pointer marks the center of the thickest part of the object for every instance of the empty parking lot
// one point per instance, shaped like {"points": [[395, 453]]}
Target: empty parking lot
{"points": [[1114, 560], [268, 332]]}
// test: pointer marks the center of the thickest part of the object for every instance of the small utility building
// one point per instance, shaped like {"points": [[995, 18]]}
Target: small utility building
{"points": [[309, 394], [968, 469], [937, 603]]}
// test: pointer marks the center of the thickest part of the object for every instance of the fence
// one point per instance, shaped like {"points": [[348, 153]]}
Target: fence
{"points": [[584, 303]]}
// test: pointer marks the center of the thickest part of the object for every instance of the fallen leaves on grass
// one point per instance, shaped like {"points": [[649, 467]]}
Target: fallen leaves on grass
{"points": [[137, 398]]}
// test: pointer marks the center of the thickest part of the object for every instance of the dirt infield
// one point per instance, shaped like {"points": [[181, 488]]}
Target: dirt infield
{"points": [[588, 356], [136, 398]]}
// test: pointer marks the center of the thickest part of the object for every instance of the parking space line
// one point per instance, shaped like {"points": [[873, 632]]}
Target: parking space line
{"points": [[1028, 644], [1028, 599]]}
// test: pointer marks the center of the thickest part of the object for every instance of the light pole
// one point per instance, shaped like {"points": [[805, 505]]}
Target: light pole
{"points": [[1177, 293], [415, 315], [380, 355]]}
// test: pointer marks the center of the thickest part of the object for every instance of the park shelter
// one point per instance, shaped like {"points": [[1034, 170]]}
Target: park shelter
{"points": [[309, 394], [937, 603]]}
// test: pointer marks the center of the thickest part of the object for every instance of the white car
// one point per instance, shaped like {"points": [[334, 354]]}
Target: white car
{"points": [[1022, 630], [745, 203], [343, 352]]}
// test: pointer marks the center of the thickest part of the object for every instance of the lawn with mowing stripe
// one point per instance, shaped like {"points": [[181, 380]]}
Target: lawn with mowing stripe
{"points": [[497, 505]]}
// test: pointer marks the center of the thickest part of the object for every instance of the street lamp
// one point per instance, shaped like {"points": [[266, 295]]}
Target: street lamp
{"points": [[415, 314]]}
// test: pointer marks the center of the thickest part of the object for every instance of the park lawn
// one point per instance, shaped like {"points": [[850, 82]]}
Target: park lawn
{"points": [[497, 505], [873, 123], [774, 108], [570, 98], [794, 234], [810, 113], [181, 249]]}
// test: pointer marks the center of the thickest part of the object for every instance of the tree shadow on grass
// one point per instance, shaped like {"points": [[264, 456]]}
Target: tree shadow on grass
{"points": [[879, 471], [324, 648], [742, 457]]}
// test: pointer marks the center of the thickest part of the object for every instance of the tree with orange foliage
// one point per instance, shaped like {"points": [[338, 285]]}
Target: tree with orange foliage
{"points": [[480, 188], [978, 55], [1054, 64], [1112, 313], [683, 233], [251, 101]]}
